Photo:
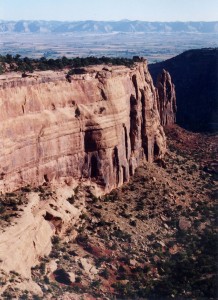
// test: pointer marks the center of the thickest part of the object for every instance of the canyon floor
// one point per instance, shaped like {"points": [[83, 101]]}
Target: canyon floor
{"points": [[153, 238]]}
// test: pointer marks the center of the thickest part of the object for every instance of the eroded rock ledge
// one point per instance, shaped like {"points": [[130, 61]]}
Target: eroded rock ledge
{"points": [[166, 99], [94, 126]]}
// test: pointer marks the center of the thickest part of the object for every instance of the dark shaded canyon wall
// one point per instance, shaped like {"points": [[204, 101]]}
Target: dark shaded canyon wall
{"points": [[97, 126], [195, 75]]}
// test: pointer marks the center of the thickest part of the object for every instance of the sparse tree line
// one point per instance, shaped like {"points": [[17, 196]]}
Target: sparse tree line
{"points": [[9, 63]]}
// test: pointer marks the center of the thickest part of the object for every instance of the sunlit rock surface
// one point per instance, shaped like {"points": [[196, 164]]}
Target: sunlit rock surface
{"points": [[96, 126]]}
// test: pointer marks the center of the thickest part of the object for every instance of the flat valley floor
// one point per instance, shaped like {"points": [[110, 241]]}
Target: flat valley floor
{"points": [[154, 46]]}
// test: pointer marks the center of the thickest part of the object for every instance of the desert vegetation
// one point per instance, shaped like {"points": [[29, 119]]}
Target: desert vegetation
{"points": [[153, 238], [24, 64]]}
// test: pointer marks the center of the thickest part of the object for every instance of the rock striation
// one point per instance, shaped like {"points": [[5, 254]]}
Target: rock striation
{"points": [[167, 99], [96, 126]]}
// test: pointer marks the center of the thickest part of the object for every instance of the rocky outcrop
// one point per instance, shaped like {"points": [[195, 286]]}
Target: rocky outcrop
{"points": [[166, 99], [97, 126], [28, 238]]}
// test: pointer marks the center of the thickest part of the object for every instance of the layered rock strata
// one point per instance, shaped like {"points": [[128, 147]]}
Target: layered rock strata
{"points": [[166, 99], [96, 126]]}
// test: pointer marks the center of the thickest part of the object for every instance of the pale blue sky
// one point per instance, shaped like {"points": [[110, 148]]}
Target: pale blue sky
{"points": [[147, 10]]}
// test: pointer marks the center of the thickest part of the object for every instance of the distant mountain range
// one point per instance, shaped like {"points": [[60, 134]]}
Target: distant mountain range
{"points": [[107, 26]]}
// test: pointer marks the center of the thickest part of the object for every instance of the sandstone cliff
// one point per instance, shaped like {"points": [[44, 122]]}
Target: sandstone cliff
{"points": [[60, 129], [166, 99], [94, 126]]}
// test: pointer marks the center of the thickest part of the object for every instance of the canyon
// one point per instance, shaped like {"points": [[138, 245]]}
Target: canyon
{"points": [[66, 131], [100, 194]]}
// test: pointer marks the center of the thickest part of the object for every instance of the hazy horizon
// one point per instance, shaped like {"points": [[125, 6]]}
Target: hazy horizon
{"points": [[110, 10], [93, 20]]}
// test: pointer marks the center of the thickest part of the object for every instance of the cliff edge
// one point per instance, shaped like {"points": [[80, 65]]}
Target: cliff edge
{"points": [[97, 126]]}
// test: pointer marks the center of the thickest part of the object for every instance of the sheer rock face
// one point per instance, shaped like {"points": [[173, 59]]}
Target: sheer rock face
{"points": [[96, 126], [167, 99], [195, 75]]}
